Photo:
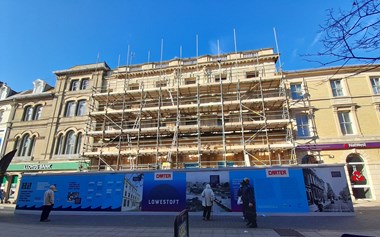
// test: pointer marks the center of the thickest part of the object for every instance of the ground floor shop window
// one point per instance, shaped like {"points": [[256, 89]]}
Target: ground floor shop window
{"points": [[358, 176]]}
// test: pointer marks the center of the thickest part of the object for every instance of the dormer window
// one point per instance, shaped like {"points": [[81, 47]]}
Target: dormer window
{"points": [[3, 92], [39, 86]]}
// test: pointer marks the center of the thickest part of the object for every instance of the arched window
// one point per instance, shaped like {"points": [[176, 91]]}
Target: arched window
{"points": [[28, 113], [59, 145], [70, 143], [81, 108], [78, 144], [26, 145], [70, 109], [37, 112], [16, 144]]}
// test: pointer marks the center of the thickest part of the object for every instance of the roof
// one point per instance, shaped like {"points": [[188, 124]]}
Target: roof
{"points": [[85, 67]]}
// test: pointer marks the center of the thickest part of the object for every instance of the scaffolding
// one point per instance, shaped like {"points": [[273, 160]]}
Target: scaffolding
{"points": [[205, 112]]}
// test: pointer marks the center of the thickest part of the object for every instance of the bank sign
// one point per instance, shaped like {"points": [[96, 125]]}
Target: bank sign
{"points": [[39, 167]]}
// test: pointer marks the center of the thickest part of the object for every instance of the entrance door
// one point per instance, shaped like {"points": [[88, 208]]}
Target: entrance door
{"points": [[358, 176]]}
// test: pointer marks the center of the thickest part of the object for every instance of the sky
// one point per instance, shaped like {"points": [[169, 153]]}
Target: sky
{"points": [[42, 36]]}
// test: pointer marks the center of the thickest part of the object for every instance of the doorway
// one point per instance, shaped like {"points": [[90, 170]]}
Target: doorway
{"points": [[358, 176]]}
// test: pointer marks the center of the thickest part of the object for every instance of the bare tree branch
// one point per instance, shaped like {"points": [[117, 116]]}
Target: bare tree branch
{"points": [[352, 35]]}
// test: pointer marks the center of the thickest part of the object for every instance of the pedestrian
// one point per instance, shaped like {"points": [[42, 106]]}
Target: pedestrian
{"points": [[2, 195], [249, 203], [208, 199], [240, 201], [48, 203]]}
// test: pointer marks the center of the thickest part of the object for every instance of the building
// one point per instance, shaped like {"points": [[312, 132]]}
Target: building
{"points": [[210, 111], [229, 110], [336, 114], [35, 125]]}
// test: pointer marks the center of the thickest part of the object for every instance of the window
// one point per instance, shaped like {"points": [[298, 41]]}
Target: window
{"points": [[1, 115], [375, 82], [336, 87], [345, 123], [70, 109], [26, 145], [84, 84], [302, 121], [161, 84], [220, 77], [37, 112], [78, 143], [70, 143], [190, 81], [252, 74], [74, 85], [81, 108], [296, 91], [59, 146], [28, 113], [133, 86]]}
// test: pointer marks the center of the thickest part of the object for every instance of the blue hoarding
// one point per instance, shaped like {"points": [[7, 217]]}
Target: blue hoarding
{"points": [[76, 192], [277, 190]]}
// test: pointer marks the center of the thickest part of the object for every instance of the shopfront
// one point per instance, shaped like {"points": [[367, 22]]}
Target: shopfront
{"points": [[10, 183]]}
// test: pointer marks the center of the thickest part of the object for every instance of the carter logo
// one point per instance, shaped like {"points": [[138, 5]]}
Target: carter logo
{"points": [[271, 173], [163, 176]]}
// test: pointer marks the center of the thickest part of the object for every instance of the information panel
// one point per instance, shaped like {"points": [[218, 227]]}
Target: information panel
{"points": [[76, 192]]}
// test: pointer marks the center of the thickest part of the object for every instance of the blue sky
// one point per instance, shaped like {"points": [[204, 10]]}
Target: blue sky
{"points": [[41, 36]]}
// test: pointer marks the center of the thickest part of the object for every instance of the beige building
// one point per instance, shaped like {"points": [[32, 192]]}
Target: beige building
{"points": [[336, 113], [210, 111]]}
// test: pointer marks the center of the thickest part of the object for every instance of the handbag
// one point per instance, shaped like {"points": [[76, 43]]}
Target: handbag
{"points": [[239, 201]]}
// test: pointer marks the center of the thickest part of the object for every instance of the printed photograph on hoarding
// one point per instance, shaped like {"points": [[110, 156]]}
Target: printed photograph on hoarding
{"points": [[327, 189], [133, 191], [220, 184]]}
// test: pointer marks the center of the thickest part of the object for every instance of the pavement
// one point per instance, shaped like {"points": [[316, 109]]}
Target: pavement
{"points": [[365, 222]]}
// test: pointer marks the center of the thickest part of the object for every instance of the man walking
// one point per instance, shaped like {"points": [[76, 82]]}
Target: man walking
{"points": [[48, 203], [249, 203], [208, 199]]}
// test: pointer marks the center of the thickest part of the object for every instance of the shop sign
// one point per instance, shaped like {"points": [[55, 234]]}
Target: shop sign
{"points": [[38, 167], [355, 145], [343, 146]]}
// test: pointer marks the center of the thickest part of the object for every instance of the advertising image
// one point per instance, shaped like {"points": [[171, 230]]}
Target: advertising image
{"points": [[164, 191], [327, 190], [90, 192], [220, 184]]}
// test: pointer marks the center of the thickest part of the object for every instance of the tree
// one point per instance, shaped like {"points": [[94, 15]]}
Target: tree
{"points": [[351, 35]]}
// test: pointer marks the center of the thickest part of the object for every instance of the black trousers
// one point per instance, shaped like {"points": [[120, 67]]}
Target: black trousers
{"points": [[45, 212], [207, 212], [250, 213]]}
